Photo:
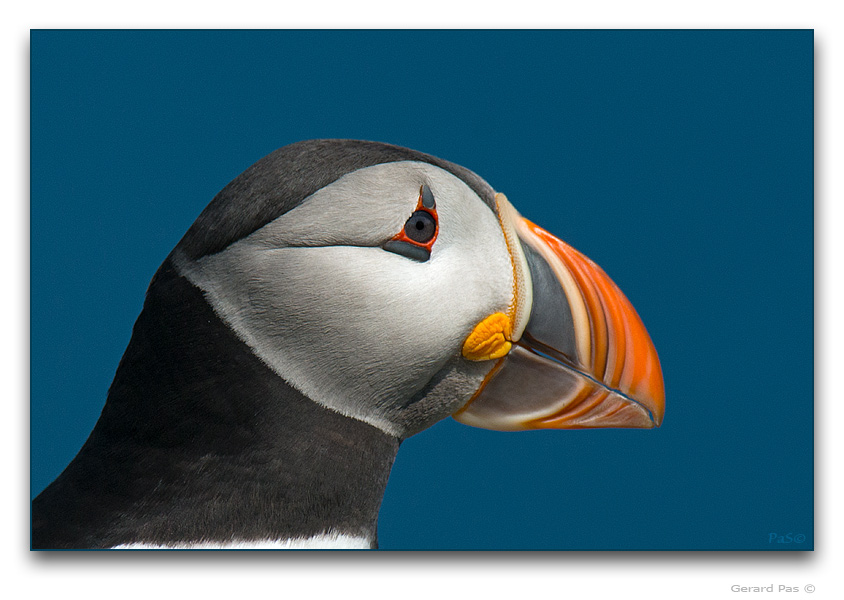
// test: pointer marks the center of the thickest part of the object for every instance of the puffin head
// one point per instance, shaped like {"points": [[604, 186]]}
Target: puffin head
{"points": [[398, 289], [335, 298]]}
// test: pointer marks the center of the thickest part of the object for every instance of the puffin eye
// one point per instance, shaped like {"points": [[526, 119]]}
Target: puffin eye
{"points": [[419, 233], [420, 227]]}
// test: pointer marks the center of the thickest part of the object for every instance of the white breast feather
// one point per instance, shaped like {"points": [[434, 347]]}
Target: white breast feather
{"points": [[323, 541]]}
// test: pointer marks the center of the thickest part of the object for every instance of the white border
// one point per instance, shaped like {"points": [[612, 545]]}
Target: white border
{"points": [[560, 575]]}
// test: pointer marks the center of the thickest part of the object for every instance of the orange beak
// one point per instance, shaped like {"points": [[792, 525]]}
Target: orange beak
{"points": [[582, 360]]}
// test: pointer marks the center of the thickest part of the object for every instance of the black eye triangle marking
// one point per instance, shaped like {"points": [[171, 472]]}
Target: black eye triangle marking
{"points": [[428, 197], [408, 250]]}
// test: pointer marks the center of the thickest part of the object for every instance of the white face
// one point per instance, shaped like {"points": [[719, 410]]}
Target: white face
{"points": [[356, 328]]}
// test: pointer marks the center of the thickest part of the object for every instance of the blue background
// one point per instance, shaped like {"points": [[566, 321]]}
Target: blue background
{"points": [[680, 161]]}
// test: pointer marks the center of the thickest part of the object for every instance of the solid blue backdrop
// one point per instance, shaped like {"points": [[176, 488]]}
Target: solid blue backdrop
{"points": [[680, 161]]}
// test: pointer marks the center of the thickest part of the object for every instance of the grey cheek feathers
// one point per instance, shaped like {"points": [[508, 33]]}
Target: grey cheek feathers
{"points": [[359, 330], [361, 208]]}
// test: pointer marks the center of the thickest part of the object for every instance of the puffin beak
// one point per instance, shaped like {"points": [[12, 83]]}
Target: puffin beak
{"points": [[572, 353]]}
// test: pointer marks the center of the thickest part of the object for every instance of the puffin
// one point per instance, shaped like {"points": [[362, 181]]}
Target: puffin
{"points": [[334, 299]]}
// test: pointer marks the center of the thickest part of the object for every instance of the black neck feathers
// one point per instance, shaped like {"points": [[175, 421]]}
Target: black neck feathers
{"points": [[200, 441]]}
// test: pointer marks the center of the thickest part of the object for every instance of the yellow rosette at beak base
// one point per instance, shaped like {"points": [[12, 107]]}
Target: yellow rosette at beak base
{"points": [[490, 339]]}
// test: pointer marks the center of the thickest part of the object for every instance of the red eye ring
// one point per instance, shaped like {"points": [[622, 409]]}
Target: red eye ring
{"points": [[425, 213]]}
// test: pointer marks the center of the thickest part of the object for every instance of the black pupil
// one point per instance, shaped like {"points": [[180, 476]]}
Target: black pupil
{"points": [[420, 227]]}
